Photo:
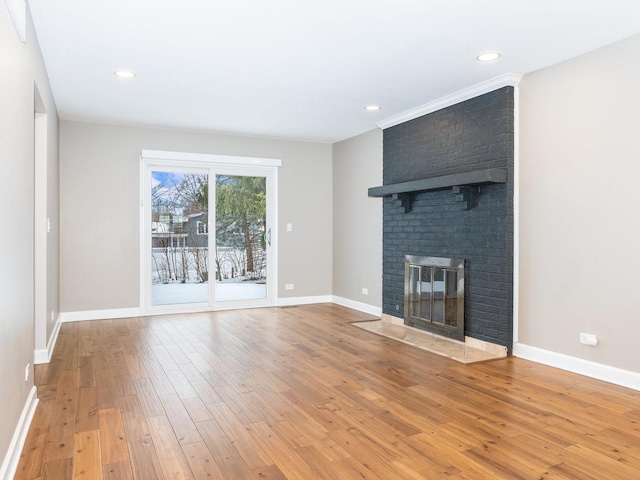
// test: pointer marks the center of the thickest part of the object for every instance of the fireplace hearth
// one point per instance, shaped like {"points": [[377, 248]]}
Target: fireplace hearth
{"points": [[434, 295]]}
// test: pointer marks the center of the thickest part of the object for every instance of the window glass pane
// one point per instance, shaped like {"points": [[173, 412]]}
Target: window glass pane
{"points": [[179, 256], [241, 238]]}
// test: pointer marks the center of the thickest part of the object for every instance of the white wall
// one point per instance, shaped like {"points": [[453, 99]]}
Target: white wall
{"points": [[579, 220], [99, 176], [357, 219], [21, 69]]}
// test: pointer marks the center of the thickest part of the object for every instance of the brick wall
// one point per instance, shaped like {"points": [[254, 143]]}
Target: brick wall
{"points": [[474, 134]]}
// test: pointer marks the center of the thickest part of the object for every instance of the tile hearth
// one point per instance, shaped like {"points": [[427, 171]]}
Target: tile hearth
{"points": [[470, 351]]}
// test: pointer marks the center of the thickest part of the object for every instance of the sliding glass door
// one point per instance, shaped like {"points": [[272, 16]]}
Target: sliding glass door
{"points": [[207, 235], [179, 237], [241, 238]]}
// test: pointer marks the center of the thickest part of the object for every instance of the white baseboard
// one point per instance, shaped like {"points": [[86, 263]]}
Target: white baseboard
{"points": [[12, 458], [99, 314], [617, 376], [290, 301], [44, 356], [361, 307]]}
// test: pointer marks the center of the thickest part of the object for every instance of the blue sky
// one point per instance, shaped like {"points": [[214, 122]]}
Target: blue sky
{"points": [[166, 179]]}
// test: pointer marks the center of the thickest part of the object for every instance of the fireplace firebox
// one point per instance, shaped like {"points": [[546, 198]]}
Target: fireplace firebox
{"points": [[434, 295]]}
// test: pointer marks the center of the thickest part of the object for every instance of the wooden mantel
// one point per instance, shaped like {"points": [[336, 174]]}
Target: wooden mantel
{"points": [[475, 177]]}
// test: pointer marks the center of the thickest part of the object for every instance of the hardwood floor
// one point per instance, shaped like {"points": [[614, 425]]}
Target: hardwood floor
{"points": [[298, 393]]}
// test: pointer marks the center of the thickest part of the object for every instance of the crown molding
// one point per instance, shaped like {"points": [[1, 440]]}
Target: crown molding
{"points": [[18, 13], [505, 80]]}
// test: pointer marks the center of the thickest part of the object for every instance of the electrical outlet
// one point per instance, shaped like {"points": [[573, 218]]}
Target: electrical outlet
{"points": [[288, 286], [365, 291], [289, 227], [27, 371], [588, 339]]}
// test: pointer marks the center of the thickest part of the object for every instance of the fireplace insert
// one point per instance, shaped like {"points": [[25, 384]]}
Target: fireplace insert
{"points": [[434, 295]]}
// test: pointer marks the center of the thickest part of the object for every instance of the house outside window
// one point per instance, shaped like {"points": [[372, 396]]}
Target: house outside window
{"points": [[201, 228]]}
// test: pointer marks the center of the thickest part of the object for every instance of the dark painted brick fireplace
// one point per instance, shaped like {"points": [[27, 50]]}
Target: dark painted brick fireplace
{"points": [[472, 135]]}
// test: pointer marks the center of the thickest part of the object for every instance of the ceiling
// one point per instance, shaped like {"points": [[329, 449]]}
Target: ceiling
{"points": [[300, 69]]}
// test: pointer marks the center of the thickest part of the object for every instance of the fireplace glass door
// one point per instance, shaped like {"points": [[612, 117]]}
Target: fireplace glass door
{"points": [[434, 294]]}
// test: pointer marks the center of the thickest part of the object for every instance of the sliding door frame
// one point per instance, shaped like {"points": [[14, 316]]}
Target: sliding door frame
{"points": [[215, 165]]}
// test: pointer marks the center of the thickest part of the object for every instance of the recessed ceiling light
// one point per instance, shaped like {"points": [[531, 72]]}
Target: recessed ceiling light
{"points": [[488, 56], [124, 74], [372, 108]]}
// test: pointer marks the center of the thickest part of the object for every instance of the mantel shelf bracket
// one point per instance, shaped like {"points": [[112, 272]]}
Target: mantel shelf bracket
{"points": [[404, 199], [464, 195]]}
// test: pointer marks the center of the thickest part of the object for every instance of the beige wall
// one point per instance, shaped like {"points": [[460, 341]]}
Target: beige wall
{"points": [[579, 225], [21, 69], [100, 187], [357, 219]]}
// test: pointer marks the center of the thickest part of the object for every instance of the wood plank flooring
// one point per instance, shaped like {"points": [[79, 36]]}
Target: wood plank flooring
{"points": [[298, 393]]}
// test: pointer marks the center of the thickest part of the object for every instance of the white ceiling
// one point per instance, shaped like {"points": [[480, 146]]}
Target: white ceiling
{"points": [[300, 69]]}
